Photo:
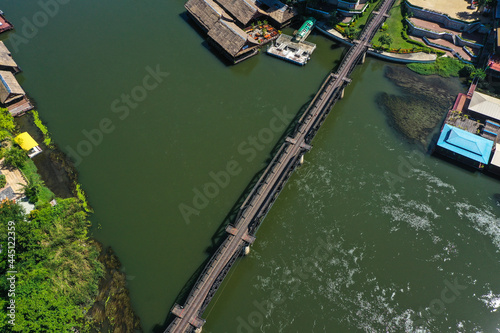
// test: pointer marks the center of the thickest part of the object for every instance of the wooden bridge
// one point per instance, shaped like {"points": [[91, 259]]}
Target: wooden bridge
{"points": [[266, 190]]}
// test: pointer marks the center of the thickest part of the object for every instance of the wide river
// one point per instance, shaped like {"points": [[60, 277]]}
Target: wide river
{"points": [[369, 234]]}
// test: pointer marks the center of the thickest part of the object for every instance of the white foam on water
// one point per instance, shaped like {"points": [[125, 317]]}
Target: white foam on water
{"points": [[482, 219], [418, 215], [422, 175], [492, 301]]}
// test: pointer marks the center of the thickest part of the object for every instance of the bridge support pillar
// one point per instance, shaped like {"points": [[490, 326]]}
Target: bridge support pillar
{"points": [[247, 250], [363, 58], [301, 159], [342, 93]]}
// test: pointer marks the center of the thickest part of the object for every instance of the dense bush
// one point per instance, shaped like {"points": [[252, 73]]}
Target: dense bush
{"points": [[15, 157], [57, 268]]}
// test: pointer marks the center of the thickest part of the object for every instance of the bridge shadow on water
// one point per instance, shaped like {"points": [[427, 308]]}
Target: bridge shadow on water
{"points": [[220, 234]]}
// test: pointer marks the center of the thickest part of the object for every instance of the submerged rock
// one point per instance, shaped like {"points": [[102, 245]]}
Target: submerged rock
{"points": [[424, 101]]}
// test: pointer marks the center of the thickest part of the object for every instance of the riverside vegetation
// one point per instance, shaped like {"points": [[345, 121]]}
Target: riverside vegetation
{"points": [[65, 280]]}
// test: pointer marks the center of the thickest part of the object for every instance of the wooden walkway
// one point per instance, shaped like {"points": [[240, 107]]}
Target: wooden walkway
{"points": [[272, 181]]}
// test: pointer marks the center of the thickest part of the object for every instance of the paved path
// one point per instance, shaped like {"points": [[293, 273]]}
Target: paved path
{"points": [[420, 57]]}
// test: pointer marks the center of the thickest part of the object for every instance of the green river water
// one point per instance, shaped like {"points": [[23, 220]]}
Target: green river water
{"points": [[366, 235]]}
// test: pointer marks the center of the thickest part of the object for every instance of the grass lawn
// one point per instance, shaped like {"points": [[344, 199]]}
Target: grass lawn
{"points": [[30, 171], [395, 27], [361, 21], [444, 67]]}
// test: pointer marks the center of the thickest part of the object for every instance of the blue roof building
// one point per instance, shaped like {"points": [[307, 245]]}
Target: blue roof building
{"points": [[465, 146]]}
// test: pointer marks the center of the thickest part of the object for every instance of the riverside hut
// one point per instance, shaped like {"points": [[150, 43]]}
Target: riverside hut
{"points": [[205, 12], [7, 63], [12, 95], [232, 41], [10, 90], [464, 146], [280, 14], [242, 10]]}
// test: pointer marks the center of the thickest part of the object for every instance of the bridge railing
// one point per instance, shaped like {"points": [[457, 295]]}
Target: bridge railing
{"points": [[308, 125]]}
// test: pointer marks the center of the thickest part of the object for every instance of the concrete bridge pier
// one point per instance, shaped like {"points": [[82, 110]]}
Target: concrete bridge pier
{"points": [[363, 58], [342, 93], [301, 159], [247, 250]]}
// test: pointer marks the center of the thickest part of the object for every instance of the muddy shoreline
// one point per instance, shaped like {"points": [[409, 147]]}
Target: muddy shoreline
{"points": [[112, 310]]}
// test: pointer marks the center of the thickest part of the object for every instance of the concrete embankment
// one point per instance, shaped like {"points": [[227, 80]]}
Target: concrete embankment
{"points": [[405, 58]]}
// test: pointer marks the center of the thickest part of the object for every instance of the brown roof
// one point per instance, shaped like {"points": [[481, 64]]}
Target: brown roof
{"points": [[282, 15], [206, 12], [5, 56], [277, 10], [229, 36], [243, 10], [10, 90]]}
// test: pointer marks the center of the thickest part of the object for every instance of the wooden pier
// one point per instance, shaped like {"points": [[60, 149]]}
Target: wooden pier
{"points": [[5, 25], [253, 210]]}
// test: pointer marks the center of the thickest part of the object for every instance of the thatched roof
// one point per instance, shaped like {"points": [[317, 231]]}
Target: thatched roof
{"points": [[10, 90], [243, 10], [206, 12], [5, 56], [282, 15], [229, 36]]}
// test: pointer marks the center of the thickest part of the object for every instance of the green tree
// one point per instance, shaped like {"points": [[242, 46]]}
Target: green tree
{"points": [[385, 39], [32, 190], [3, 181], [58, 270], [6, 121], [333, 20], [478, 73], [15, 157], [7, 125]]}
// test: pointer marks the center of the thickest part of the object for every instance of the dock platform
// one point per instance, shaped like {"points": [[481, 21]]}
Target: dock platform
{"points": [[286, 49], [5, 25]]}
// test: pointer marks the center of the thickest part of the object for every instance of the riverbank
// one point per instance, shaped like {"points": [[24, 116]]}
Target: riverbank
{"points": [[406, 58], [422, 105], [91, 273], [111, 309]]}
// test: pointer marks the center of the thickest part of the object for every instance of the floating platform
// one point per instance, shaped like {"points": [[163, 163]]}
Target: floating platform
{"points": [[5, 25], [286, 49]]}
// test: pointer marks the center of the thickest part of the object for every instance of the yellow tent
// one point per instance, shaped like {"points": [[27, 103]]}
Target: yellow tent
{"points": [[25, 141]]}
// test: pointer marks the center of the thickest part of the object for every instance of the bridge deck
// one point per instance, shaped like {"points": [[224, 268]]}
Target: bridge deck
{"points": [[265, 191]]}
